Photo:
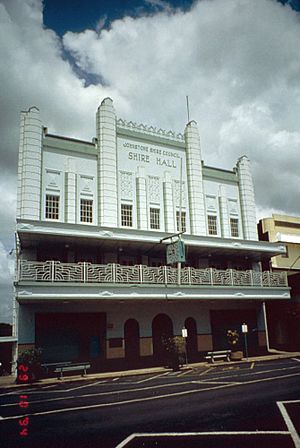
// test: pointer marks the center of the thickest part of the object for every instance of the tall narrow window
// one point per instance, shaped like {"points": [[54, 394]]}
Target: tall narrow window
{"points": [[234, 227], [86, 210], [154, 218], [212, 225], [126, 215], [52, 206], [183, 221]]}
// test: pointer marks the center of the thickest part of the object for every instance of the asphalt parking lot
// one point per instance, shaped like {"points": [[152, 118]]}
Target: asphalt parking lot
{"points": [[255, 403]]}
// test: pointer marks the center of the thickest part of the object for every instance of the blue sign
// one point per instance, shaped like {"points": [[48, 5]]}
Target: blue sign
{"points": [[176, 252]]}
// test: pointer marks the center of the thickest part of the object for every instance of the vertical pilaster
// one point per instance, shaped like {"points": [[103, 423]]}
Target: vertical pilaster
{"points": [[70, 189], [195, 180], [141, 195], [247, 199], [107, 164], [225, 230], [31, 158], [168, 204], [20, 164]]}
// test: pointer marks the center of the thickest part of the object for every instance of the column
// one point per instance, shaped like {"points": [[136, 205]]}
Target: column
{"points": [[70, 189], [31, 157], [225, 230], [170, 225], [194, 179], [141, 195], [20, 163], [107, 164], [247, 199]]}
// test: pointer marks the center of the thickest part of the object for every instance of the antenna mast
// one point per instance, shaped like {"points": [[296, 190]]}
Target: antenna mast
{"points": [[188, 108]]}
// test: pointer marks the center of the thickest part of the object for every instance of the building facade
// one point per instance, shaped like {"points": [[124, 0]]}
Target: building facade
{"points": [[284, 316], [94, 220]]}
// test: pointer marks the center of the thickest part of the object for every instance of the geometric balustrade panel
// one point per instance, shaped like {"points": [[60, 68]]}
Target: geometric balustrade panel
{"points": [[54, 271]]}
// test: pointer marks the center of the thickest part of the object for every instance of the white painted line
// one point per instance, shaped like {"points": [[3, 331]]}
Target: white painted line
{"points": [[206, 371], [197, 434], [116, 379], [252, 365], [152, 378], [185, 372], [113, 392], [290, 402], [215, 382], [289, 424], [152, 398], [85, 385], [127, 440], [174, 373], [296, 359], [262, 372]]}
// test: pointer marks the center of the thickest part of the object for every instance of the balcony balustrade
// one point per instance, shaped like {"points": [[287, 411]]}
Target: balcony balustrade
{"points": [[55, 271]]}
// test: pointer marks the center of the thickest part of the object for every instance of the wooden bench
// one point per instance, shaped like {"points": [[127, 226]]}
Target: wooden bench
{"points": [[51, 366], [218, 355], [72, 368]]}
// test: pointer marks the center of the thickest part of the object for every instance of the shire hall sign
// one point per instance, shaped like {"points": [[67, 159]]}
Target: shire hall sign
{"points": [[158, 157]]}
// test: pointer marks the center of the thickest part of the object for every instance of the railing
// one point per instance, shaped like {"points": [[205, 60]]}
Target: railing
{"points": [[55, 271]]}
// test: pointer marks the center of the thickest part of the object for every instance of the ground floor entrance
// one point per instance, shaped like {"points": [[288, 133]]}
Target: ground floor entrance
{"points": [[224, 320], [71, 336], [118, 335]]}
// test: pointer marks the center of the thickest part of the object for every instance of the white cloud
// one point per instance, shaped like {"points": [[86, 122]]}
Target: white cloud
{"points": [[238, 61], [6, 284]]}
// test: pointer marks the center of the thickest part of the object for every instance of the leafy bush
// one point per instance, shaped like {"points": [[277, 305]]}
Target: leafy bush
{"points": [[32, 359], [174, 350]]}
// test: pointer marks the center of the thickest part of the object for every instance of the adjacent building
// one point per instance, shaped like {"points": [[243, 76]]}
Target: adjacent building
{"points": [[284, 316], [94, 220]]}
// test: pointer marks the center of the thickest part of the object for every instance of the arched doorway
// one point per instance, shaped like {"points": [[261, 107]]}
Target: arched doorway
{"points": [[162, 327], [132, 342], [191, 340]]}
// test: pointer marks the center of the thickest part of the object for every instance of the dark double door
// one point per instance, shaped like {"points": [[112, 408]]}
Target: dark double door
{"points": [[224, 320], [71, 336]]}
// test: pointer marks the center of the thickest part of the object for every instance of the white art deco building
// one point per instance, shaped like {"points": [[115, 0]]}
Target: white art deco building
{"points": [[92, 280]]}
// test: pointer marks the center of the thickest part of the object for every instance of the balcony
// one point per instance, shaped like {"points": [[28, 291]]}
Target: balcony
{"points": [[116, 274]]}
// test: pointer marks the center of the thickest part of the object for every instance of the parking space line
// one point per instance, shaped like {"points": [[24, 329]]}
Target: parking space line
{"points": [[152, 378], [84, 385], [262, 372], [144, 399], [289, 424], [206, 371], [114, 392], [252, 365], [290, 401], [199, 434], [185, 372], [296, 359], [215, 382]]}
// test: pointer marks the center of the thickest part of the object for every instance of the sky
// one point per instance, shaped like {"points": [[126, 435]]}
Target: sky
{"points": [[237, 60]]}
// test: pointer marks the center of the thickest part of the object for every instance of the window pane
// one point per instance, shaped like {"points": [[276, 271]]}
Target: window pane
{"points": [[212, 225], [86, 210], [52, 206], [126, 215], [234, 226], [183, 221], [154, 218]]}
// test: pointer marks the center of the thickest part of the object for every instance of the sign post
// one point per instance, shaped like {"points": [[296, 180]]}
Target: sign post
{"points": [[184, 333], [245, 331]]}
